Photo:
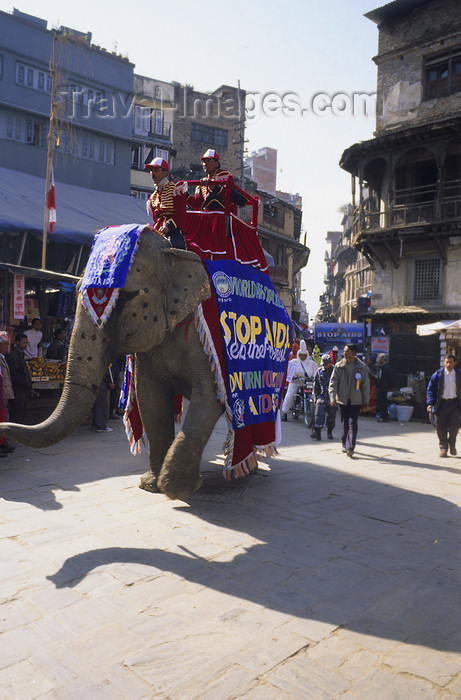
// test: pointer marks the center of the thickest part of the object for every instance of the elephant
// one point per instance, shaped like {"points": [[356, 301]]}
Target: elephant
{"points": [[162, 289]]}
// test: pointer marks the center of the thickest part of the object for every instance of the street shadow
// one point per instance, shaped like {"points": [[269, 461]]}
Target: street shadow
{"points": [[335, 547], [393, 447], [443, 466], [36, 476]]}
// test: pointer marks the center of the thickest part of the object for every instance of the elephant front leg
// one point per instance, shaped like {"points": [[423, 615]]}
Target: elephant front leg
{"points": [[156, 408], [180, 475]]}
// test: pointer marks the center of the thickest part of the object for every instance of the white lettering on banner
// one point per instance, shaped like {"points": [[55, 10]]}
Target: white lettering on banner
{"points": [[19, 297]]}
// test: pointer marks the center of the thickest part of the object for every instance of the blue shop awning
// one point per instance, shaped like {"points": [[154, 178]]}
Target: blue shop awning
{"points": [[80, 212]]}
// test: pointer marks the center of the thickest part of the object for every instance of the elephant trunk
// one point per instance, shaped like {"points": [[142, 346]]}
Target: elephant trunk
{"points": [[90, 353]]}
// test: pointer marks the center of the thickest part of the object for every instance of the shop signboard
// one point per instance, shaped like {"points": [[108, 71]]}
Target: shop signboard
{"points": [[327, 335], [380, 344], [19, 289]]}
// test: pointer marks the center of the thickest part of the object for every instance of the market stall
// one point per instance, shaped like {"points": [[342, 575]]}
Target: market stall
{"points": [[449, 335]]}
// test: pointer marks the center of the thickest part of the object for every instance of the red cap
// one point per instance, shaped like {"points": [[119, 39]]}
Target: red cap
{"points": [[210, 154], [157, 163]]}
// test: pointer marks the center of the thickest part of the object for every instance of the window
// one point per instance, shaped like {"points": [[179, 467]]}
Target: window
{"points": [[139, 157], [442, 75], [82, 145], [20, 74], [159, 121], [33, 78], [208, 134], [274, 216], [141, 120], [425, 281], [162, 153], [21, 129]]}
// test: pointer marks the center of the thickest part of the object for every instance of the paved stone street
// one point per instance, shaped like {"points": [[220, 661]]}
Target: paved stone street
{"points": [[319, 577]]}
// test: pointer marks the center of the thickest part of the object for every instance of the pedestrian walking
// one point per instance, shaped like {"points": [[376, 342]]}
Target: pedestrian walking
{"points": [[444, 400], [349, 388], [323, 408]]}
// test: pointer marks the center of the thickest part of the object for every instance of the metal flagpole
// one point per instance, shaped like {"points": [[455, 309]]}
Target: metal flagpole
{"points": [[50, 151]]}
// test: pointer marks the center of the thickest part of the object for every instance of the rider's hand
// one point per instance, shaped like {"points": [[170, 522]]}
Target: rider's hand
{"points": [[429, 409], [333, 403]]}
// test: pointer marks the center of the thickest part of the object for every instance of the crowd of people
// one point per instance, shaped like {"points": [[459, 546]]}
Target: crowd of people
{"points": [[338, 383], [16, 382]]}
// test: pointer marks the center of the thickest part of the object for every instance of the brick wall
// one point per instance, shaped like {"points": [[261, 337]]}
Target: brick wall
{"points": [[404, 45], [202, 121]]}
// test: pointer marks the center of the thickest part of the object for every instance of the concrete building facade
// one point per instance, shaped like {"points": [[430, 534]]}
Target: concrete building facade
{"points": [[93, 105]]}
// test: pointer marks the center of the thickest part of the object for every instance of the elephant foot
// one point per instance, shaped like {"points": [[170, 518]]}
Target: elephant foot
{"points": [[178, 487], [148, 482]]}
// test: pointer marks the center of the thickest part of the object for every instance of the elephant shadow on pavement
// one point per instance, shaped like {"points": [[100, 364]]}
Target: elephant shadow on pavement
{"points": [[331, 547], [35, 476]]}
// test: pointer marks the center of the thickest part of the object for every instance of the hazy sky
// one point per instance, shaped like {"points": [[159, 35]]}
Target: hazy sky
{"points": [[301, 48]]}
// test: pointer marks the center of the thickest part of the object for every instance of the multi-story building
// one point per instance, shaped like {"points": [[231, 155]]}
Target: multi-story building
{"points": [[261, 167], [279, 230], [407, 206], [89, 93], [279, 226], [152, 129], [93, 94], [328, 302], [207, 120], [348, 277]]}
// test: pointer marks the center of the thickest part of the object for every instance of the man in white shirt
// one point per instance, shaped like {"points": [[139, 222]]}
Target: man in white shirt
{"points": [[444, 400], [300, 367], [34, 338]]}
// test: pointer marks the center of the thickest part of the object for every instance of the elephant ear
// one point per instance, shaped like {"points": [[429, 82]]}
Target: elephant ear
{"points": [[186, 284]]}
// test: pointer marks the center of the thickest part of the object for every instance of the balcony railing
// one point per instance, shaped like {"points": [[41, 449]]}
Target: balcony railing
{"points": [[163, 131], [412, 207]]}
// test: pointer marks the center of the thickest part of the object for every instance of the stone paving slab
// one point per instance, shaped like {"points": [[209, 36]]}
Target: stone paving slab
{"points": [[318, 577]]}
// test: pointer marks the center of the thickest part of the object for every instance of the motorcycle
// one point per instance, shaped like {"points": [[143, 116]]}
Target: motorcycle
{"points": [[303, 402]]}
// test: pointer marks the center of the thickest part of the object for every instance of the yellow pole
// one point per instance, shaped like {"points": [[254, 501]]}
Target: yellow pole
{"points": [[50, 151]]}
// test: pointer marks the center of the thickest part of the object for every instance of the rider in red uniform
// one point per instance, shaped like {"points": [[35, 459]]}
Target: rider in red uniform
{"points": [[161, 204]]}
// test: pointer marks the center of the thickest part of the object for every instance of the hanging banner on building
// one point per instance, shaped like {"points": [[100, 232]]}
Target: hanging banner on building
{"points": [[19, 293], [327, 335]]}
